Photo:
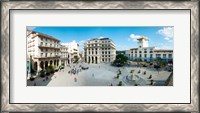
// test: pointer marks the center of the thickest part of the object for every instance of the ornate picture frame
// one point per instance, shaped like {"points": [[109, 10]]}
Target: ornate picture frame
{"points": [[7, 6]]}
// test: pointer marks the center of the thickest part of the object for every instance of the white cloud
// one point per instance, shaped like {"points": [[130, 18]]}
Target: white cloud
{"points": [[133, 37], [30, 28], [167, 32]]}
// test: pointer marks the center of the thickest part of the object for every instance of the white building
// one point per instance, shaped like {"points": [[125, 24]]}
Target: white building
{"points": [[99, 50], [149, 54], [43, 50], [65, 55], [73, 49]]}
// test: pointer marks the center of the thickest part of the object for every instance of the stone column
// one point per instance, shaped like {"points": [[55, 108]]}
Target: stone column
{"points": [[38, 68], [98, 59]]}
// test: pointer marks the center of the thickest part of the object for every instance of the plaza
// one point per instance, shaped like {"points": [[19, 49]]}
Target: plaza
{"points": [[102, 74]]}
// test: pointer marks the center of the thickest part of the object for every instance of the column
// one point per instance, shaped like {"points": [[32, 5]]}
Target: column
{"points": [[98, 59], [38, 68]]}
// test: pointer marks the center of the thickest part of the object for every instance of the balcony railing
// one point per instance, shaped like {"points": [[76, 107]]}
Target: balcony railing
{"points": [[47, 56], [48, 46]]}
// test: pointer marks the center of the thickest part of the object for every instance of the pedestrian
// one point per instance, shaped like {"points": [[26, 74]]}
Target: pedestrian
{"points": [[46, 77], [93, 75], [75, 80], [111, 84], [34, 83]]}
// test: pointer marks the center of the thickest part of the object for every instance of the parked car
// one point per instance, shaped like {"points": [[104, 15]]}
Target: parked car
{"points": [[84, 68]]}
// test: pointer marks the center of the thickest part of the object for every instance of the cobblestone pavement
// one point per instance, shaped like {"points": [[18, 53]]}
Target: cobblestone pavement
{"points": [[104, 75]]}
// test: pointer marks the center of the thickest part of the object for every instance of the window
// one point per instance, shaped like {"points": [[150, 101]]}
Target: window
{"points": [[151, 51], [140, 52], [157, 55], [102, 52], [96, 52], [41, 49], [135, 55], [41, 43], [164, 55], [145, 55], [139, 46], [140, 55], [41, 54], [145, 51], [41, 38], [108, 52], [170, 55], [151, 55], [135, 51]]}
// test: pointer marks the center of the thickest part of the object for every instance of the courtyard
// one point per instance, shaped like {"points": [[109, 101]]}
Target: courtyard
{"points": [[103, 74]]}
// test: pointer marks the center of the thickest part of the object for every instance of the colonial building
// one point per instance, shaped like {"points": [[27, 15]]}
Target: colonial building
{"points": [[99, 50], [65, 55], [43, 50], [149, 54], [73, 49]]}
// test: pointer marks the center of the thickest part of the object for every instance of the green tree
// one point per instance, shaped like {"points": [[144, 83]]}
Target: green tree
{"points": [[159, 63], [120, 60], [76, 58]]}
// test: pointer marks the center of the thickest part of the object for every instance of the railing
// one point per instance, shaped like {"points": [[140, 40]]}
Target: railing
{"points": [[43, 45], [46, 56]]}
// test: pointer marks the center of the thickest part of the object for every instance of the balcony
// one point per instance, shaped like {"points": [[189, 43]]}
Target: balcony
{"points": [[46, 56], [48, 46]]}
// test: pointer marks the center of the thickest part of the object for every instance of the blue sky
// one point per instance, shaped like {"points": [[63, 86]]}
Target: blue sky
{"points": [[123, 37]]}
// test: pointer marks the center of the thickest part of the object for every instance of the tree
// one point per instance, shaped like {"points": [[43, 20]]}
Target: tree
{"points": [[76, 58], [120, 60], [158, 63]]}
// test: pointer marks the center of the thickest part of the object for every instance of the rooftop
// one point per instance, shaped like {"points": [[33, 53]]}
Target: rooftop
{"points": [[162, 50], [44, 35], [142, 37]]}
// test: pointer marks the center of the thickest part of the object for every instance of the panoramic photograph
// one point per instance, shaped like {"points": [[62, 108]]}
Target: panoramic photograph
{"points": [[99, 56]]}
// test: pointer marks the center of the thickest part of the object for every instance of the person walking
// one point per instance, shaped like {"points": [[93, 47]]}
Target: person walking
{"points": [[35, 84], [75, 79]]}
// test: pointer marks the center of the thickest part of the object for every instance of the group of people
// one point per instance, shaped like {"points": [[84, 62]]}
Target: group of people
{"points": [[74, 71]]}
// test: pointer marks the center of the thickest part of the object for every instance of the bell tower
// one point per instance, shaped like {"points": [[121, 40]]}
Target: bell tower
{"points": [[143, 42]]}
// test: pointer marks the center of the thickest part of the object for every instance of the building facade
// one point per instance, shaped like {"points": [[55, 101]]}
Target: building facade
{"points": [[99, 50], [73, 50], [43, 50], [148, 54], [65, 56]]}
